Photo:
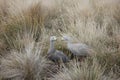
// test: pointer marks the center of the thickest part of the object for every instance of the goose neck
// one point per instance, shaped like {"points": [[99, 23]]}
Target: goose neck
{"points": [[52, 45]]}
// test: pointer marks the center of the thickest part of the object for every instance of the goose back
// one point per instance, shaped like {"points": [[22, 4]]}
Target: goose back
{"points": [[78, 49], [57, 56]]}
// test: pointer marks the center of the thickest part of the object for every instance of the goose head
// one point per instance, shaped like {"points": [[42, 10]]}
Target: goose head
{"points": [[67, 38], [53, 38]]}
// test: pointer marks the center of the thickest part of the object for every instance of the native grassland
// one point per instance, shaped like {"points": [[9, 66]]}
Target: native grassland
{"points": [[26, 26]]}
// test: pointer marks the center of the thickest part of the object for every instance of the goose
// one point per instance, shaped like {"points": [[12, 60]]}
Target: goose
{"points": [[77, 49], [56, 55]]}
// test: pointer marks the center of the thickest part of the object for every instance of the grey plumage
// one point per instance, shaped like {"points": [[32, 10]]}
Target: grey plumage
{"points": [[77, 49], [56, 55]]}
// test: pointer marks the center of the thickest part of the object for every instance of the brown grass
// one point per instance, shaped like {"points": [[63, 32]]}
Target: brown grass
{"points": [[28, 64]]}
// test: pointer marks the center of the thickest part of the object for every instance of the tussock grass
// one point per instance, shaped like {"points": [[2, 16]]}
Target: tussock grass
{"points": [[30, 18], [88, 70], [28, 64]]}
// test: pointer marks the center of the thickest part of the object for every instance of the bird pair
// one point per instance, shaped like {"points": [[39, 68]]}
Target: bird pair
{"points": [[77, 50]]}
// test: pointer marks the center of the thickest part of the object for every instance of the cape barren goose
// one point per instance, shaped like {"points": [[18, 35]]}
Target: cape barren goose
{"points": [[77, 49], [56, 55]]}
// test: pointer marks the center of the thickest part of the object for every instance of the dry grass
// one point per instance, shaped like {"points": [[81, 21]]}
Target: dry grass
{"points": [[88, 70], [28, 64], [26, 23]]}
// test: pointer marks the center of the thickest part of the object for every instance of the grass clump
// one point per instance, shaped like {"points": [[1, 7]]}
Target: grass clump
{"points": [[28, 64], [87, 70]]}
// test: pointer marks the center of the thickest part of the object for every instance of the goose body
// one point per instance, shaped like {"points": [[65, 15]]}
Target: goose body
{"points": [[56, 55], [77, 49]]}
